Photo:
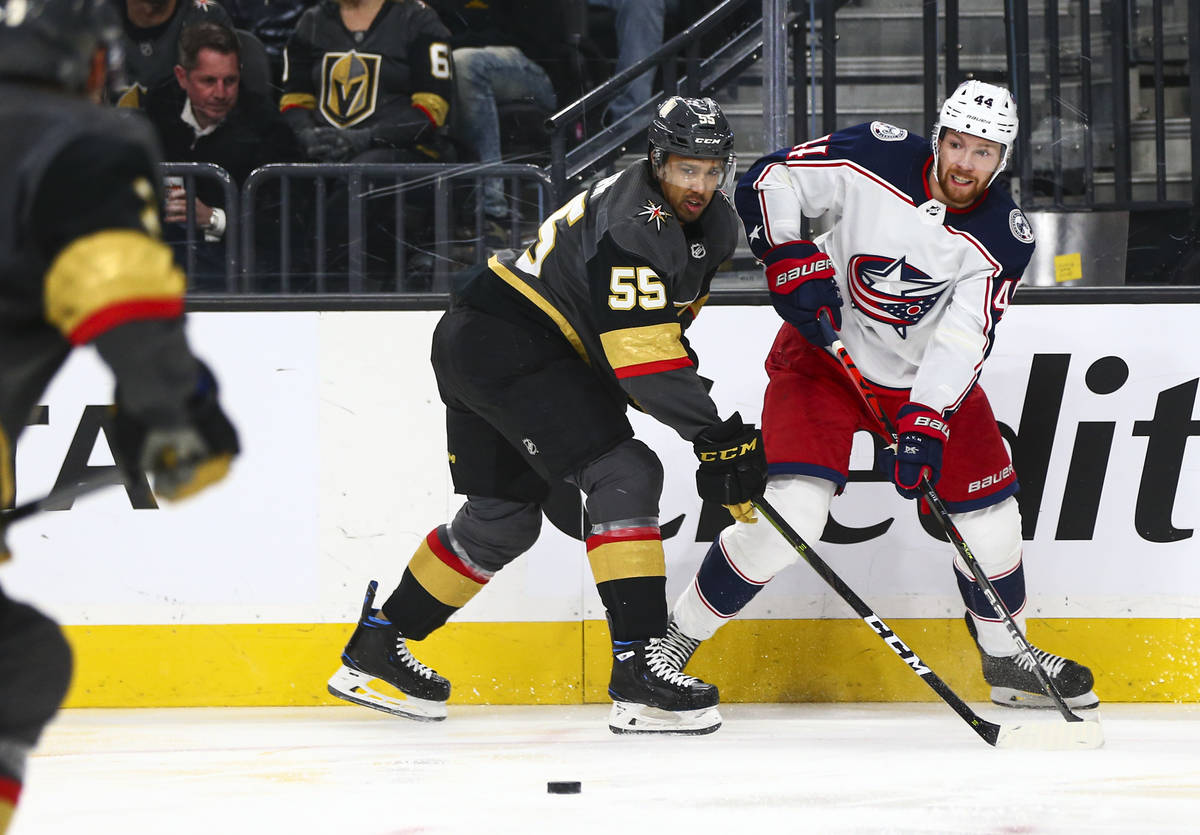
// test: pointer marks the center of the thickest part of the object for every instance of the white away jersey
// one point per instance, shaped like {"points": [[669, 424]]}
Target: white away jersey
{"points": [[924, 285]]}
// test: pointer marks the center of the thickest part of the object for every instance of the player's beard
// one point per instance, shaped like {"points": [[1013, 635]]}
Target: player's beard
{"points": [[960, 195]]}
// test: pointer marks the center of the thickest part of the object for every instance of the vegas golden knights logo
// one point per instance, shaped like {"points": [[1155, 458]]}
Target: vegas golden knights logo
{"points": [[349, 87]]}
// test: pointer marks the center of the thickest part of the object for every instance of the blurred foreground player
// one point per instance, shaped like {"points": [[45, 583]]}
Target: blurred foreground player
{"points": [[928, 255], [81, 263], [536, 362]]}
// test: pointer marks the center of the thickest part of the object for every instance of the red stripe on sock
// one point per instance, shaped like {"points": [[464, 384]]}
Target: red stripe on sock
{"points": [[623, 535], [451, 559]]}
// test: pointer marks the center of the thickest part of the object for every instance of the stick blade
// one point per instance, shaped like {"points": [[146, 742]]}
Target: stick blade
{"points": [[1051, 736]]}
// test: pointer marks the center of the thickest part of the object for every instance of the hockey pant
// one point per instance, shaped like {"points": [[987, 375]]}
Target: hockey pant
{"points": [[744, 558]]}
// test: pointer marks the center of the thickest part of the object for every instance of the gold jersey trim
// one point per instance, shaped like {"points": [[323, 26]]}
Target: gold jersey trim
{"points": [[534, 296], [306, 100], [433, 104], [7, 490], [624, 560], [113, 267], [642, 345]]}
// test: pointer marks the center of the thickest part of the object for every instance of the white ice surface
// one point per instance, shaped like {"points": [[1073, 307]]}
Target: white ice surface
{"points": [[771, 769]]}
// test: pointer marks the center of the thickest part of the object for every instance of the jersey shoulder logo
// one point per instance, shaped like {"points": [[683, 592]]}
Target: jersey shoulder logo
{"points": [[349, 87], [892, 291], [888, 133], [654, 213], [1019, 224]]}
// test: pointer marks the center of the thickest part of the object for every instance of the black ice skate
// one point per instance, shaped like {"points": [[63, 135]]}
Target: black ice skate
{"points": [[678, 648], [650, 697], [1014, 684], [379, 672]]}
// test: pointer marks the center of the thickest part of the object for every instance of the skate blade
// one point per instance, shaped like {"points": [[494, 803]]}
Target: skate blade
{"points": [[356, 687], [633, 718], [1049, 735], [1007, 697]]}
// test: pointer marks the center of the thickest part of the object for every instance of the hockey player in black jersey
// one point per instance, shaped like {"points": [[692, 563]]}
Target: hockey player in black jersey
{"points": [[536, 362], [81, 263]]}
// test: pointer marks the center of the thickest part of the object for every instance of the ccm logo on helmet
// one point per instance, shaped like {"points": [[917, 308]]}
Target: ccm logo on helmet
{"points": [[807, 268], [702, 140]]}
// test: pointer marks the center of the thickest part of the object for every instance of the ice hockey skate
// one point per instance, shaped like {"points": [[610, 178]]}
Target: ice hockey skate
{"points": [[379, 672], [1014, 683], [678, 648], [649, 697]]}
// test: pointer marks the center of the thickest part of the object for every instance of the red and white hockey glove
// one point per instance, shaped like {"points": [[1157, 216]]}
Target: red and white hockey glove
{"points": [[922, 435], [800, 278]]}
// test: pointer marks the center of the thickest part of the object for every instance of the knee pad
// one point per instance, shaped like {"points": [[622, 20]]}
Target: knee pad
{"points": [[758, 551], [994, 537], [624, 483], [35, 671], [491, 533]]}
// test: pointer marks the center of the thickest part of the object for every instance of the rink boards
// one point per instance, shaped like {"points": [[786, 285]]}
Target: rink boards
{"points": [[244, 595]]}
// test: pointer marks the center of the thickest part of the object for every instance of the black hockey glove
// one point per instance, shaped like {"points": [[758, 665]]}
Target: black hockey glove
{"points": [[182, 459], [800, 278], [922, 435], [330, 144], [733, 466]]}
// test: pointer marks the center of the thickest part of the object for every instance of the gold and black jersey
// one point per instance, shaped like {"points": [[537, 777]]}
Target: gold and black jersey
{"points": [[80, 253], [151, 54], [361, 79], [621, 279]]}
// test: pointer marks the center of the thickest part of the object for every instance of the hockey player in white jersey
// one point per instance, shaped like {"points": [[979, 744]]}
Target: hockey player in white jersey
{"points": [[928, 255]]}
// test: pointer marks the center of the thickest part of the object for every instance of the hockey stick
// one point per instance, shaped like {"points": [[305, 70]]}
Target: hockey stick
{"points": [[68, 492], [1035, 735], [942, 514]]}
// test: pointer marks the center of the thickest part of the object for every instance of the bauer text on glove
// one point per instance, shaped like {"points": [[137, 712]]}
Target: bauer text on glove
{"points": [[800, 278]]}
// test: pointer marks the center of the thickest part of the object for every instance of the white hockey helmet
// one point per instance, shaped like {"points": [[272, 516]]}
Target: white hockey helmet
{"points": [[980, 109]]}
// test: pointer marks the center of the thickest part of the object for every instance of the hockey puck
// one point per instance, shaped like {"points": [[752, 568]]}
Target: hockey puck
{"points": [[564, 787]]}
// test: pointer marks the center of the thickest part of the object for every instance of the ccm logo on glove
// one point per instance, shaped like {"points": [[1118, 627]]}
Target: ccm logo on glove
{"points": [[727, 454]]}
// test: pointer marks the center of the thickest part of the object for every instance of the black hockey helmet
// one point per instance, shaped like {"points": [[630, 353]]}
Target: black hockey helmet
{"points": [[691, 128], [53, 41]]}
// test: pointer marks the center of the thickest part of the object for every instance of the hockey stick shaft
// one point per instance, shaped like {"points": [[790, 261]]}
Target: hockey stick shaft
{"points": [[988, 731], [68, 492], [942, 514]]}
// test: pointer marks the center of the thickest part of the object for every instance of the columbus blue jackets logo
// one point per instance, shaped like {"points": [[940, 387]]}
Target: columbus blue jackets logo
{"points": [[888, 133], [892, 291], [349, 87]]}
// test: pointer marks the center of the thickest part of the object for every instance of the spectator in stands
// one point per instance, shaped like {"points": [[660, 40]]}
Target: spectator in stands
{"points": [[370, 81], [150, 39], [497, 46], [639, 25], [272, 22], [206, 117]]}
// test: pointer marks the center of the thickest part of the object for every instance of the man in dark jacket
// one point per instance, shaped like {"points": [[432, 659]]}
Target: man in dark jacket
{"points": [[204, 116]]}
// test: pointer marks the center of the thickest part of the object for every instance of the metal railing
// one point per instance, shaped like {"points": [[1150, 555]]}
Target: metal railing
{"points": [[289, 221], [703, 73], [189, 172]]}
